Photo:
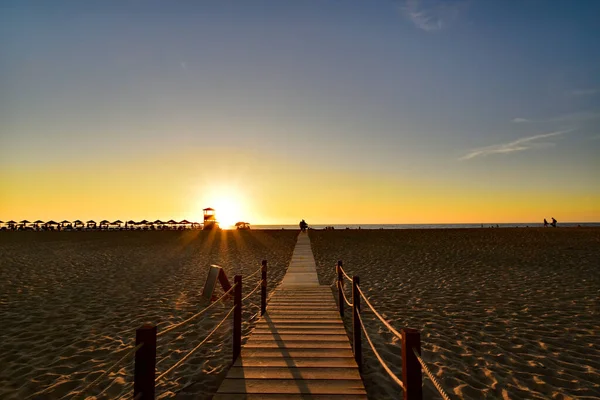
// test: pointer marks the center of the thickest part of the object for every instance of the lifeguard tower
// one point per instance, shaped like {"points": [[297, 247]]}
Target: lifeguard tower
{"points": [[210, 220]]}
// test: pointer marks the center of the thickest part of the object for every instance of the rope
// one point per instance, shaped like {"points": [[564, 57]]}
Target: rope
{"points": [[345, 274], [109, 370], [345, 299], [169, 329], [383, 364], [390, 327], [254, 273], [430, 375], [254, 290], [178, 363]]}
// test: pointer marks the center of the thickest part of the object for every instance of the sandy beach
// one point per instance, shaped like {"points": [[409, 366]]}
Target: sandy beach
{"points": [[70, 303], [503, 313]]}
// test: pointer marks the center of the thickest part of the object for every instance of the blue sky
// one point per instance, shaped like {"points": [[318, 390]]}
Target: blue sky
{"points": [[461, 94]]}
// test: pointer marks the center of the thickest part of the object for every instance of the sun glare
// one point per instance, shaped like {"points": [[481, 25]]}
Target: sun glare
{"points": [[228, 206], [228, 212]]}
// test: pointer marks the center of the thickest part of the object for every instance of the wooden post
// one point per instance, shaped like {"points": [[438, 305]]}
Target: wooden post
{"points": [[356, 329], [340, 281], [263, 288], [145, 362], [411, 368], [237, 317]]}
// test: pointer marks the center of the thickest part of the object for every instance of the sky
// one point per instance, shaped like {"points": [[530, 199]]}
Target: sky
{"points": [[413, 111]]}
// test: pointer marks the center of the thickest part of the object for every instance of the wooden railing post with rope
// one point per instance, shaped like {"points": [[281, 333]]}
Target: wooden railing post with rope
{"points": [[411, 369], [145, 362], [263, 288], [413, 365], [144, 351], [237, 317], [340, 286], [356, 331]]}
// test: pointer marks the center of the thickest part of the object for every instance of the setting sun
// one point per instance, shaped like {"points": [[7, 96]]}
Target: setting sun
{"points": [[228, 206], [228, 212]]}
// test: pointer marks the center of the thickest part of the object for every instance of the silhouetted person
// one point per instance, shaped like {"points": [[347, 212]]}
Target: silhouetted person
{"points": [[303, 225], [545, 223], [553, 222]]}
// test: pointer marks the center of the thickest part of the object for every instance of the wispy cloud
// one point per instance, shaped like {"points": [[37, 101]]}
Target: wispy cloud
{"points": [[573, 118], [432, 15], [584, 92], [526, 143]]}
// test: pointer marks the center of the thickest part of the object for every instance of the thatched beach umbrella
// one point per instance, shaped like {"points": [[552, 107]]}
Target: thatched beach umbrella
{"points": [[11, 222], [90, 223], [171, 222], [158, 222], [24, 222], [51, 222], [77, 222], [143, 222], [117, 222], [65, 222], [185, 222]]}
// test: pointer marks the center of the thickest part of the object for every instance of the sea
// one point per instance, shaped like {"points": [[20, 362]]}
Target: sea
{"points": [[431, 226]]}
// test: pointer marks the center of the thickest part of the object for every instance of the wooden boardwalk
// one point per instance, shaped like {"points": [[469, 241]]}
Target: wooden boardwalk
{"points": [[299, 348]]}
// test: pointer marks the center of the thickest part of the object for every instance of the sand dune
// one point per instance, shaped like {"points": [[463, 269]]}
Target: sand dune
{"points": [[70, 303], [503, 313]]}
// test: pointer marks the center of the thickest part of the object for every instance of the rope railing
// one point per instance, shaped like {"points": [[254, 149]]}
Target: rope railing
{"points": [[175, 326], [345, 274], [254, 273], [430, 375], [390, 327], [383, 364], [144, 381], [346, 299], [410, 340], [188, 355], [253, 290], [111, 368]]}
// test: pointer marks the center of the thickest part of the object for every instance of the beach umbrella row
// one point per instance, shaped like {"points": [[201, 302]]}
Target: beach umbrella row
{"points": [[103, 222]]}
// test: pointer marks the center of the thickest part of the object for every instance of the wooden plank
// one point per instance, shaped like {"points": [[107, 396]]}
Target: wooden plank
{"points": [[303, 295], [300, 318], [287, 324], [300, 353], [276, 396], [300, 326], [297, 344], [292, 386], [306, 362], [296, 306], [277, 311], [300, 331], [293, 373], [301, 337], [307, 320]]}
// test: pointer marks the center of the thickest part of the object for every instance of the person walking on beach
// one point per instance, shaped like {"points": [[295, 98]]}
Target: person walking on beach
{"points": [[303, 226], [545, 223], [554, 222]]}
